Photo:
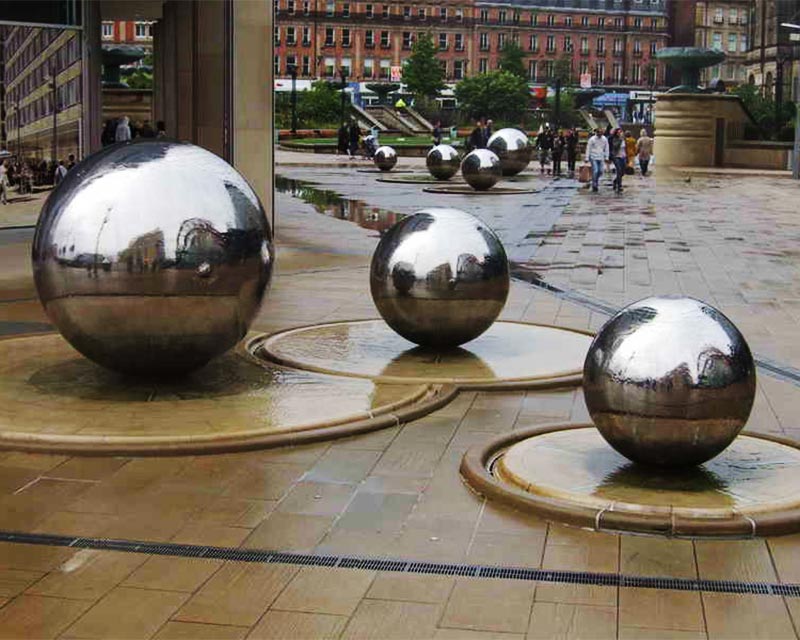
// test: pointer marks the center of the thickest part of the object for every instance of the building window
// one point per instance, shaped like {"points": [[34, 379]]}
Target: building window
{"points": [[108, 30], [636, 72], [600, 72], [459, 42], [459, 14], [330, 34], [290, 7], [732, 42], [549, 68], [533, 43], [346, 10], [443, 13], [501, 16], [716, 41], [276, 35], [369, 11], [534, 19], [719, 15], [637, 23], [551, 44], [483, 65], [306, 36], [484, 15], [385, 39], [618, 23], [568, 21], [143, 30], [551, 20], [407, 40], [637, 47], [501, 40], [291, 38], [653, 47], [422, 14], [330, 67], [385, 69], [483, 41], [515, 16], [584, 45], [346, 66], [567, 43], [617, 71], [306, 8], [532, 70], [277, 65], [346, 37], [369, 38], [653, 24], [601, 22], [442, 42], [743, 17], [291, 61], [652, 75], [743, 43], [306, 66], [369, 67], [458, 69], [385, 13], [584, 21], [330, 9], [584, 67], [618, 45], [601, 45], [443, 67], [406, 12]]}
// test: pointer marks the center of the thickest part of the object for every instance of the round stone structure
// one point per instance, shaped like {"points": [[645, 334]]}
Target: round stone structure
{"points": [[669, 381], [513, 148], [385, 158], [481, 169], [152, 257], [443, 161], [439, 277]]}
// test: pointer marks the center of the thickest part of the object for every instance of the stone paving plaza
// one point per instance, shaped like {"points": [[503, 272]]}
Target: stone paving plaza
{"points": [[731, 240]]}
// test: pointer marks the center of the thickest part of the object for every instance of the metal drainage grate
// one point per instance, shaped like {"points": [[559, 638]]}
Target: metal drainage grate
{"points": [[405, 566]]}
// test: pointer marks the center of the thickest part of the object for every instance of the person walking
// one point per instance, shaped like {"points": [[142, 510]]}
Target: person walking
{"points": [[437, 133], [544, 143], [342, 140], [123, 130], [644, 150], [597, 155], [619, 157], [559, 143], [355, 134], [487, 133], [4, 182], [59, 174], [630, 152], [475, 140], [571, 146]]}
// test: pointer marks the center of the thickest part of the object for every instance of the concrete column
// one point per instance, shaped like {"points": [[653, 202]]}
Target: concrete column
{"points": [[92, 97]]}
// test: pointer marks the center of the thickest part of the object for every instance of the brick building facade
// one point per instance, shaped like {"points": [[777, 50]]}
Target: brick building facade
{"points": [[613, 40]]}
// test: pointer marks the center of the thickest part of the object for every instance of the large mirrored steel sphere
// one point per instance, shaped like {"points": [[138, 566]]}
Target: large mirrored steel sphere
{"points": [[513, 148], [385, 158], [443, 162], [439, 277], [152, 257], [481, 169], [669, 381]]}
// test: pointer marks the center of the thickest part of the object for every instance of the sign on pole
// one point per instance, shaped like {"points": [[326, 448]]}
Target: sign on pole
{"points": [[396, 74], [586, 81]]}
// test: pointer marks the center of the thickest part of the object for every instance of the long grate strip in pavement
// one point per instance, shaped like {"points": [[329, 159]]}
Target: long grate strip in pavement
{"points": [[404, 566], [784, 372]]}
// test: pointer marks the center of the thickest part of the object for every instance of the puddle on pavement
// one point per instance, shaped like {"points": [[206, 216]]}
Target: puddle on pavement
{"points": [[330, 203]]}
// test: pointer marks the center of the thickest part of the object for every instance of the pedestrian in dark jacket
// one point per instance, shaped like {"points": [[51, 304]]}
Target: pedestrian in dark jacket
{"points": [[343, 140], [487, 132], [559, 143], [476, 140], [571, 146], [355, 134], [544, 143]]}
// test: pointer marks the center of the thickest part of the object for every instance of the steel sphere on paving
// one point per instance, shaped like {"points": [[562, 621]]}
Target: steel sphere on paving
{"points": [[443, 162], [439, 277], [513, 148], [385, 158], [481, 169], [152, 257], [669, 381]]}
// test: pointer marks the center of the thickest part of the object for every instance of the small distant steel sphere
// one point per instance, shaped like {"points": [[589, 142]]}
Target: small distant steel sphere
{"points": [[385, 158], [152, 257], [481, 169], [443, 162], [513, 148], [439, 277], [669, 381]]}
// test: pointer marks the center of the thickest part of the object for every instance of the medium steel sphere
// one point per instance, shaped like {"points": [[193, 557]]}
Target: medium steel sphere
{"points": [[152, 257], [385, 158], [443, 162], [481, 169], [439, 277], [669, 381], [513, 148]]}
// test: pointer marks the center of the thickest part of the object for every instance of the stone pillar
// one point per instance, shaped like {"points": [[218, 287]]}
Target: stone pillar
{"points": [[91, 92]]}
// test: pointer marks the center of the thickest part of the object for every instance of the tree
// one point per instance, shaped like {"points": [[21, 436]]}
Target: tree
{"points": [[511, 59], [498, 94], [422, 72], [562, 70]]}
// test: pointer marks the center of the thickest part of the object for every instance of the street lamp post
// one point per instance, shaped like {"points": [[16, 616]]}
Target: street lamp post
{"points": [[343, 75], [293, 72]]}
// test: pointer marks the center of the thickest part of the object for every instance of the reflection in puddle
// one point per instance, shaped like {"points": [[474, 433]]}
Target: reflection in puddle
{"points": [[330, 203]]}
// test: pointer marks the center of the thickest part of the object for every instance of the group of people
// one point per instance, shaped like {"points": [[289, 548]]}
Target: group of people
{"points": [[350, 140], [557, 145], [618, 148], [122, 130], [479, 137], [25, 174]]}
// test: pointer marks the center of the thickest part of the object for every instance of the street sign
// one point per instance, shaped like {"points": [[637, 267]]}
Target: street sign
{"points": [[586, 81], [396, 74], [794, 37]]}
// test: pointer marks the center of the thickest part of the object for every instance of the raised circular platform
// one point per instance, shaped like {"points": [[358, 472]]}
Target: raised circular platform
{"points": [[385, 173], [465, 189], [53, 399], [422, 179], [570, 474], [508, 355]]}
